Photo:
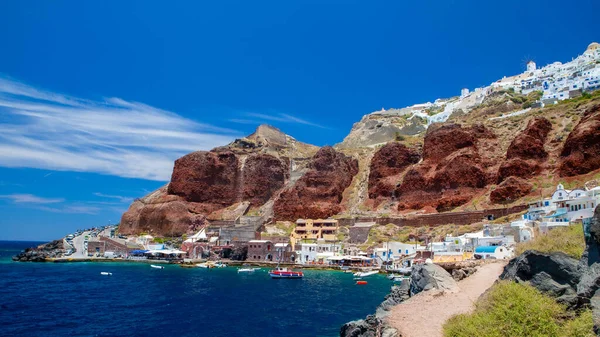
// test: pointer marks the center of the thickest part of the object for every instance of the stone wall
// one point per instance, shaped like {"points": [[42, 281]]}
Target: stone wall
{"points": [[457, 218]]}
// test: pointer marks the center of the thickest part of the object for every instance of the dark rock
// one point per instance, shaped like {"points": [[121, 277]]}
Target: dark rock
{"points": [[40, 253], [555, 274], [458, 274], [397, 295], [595, 304], [239, 253]]}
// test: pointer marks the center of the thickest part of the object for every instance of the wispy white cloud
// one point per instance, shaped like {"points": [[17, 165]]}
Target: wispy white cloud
{"points": [[259, 118], [30, 199], [71, 209], [118, 197], [47, 130]]}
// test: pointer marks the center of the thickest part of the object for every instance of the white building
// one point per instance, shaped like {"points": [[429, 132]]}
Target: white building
{"points": [[317, 252], [531, 66], [493, 252], [390, 251]]}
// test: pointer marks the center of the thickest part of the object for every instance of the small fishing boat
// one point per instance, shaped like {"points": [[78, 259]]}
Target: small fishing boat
{"points": [[281, 272], [361, 282], [203, 265], [156, 267], [392, 276], [219, 265], [105, 273], [247, 270], [366, 273]]}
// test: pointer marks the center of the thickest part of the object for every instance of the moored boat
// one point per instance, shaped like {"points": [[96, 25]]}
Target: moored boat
{"points": [[157, 267], [247, 270], [281, 272], [105, 273], [366, 273]]}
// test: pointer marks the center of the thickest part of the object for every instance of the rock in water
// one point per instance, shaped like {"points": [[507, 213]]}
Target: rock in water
{"points": [[42, 252]]}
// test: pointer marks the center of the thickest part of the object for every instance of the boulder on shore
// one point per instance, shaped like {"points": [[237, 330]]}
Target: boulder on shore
{"points": [[555, 274], [431, 276]]}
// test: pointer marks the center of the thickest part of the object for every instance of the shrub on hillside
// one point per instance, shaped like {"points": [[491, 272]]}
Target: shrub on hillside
{"points": [[569, 240], [515, 309]]}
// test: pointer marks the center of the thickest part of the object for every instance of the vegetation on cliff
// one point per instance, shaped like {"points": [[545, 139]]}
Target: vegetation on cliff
{"points": [[569, 240], [516, 309]]}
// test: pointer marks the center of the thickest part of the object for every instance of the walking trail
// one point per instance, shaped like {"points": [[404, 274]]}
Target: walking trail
{"points": [[424, 314]]}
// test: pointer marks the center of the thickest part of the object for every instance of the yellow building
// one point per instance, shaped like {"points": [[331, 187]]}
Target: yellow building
{"points": [[308, 230]]}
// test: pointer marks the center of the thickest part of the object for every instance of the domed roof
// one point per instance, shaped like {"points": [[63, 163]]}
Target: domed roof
{"points": [[593, 46]]}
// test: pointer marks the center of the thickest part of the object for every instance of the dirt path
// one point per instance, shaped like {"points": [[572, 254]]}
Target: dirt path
{"points": [[424, 314]]}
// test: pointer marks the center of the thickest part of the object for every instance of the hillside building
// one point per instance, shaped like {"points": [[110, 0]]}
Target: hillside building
{"points": [[311, 231]]}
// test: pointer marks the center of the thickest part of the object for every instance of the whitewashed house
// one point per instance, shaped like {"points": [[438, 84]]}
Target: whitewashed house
{"points": [[493, 252], [390, 251], [317, 252]]}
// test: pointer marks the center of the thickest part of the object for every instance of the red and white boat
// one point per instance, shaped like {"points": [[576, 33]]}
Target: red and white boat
{"points": [[281, 272]]}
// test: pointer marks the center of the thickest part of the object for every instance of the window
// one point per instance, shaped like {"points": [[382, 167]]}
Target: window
{"points": [[407, 251], [547, 203]]}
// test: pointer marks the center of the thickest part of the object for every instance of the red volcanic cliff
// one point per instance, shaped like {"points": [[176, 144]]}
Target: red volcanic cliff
{"points": [[206, 177], [524, 159], [262, 176], [318, 193], [581, 151], [386, 167], [452, 170], [160, 214], [510, 189]]}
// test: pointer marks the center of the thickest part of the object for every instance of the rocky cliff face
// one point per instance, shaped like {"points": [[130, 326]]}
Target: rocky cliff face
{"points": [[474, 161], [387, 165], [452, 169], [525, 158], [249, 172], [318, 194], [581, 152]]}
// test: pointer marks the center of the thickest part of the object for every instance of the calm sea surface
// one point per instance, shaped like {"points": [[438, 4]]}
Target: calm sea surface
{"points": [[73, 299]]}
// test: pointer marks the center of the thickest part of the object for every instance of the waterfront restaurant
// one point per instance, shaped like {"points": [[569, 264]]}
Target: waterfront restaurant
{"points": [[351, 261], [165, 254]]}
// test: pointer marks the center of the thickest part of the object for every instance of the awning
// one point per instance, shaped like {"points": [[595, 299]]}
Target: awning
{"points": [[556, 214]]}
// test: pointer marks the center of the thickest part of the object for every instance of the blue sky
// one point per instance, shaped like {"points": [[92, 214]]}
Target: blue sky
{"points": [[98, 98]]}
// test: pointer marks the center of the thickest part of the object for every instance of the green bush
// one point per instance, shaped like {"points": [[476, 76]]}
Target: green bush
{"points": [[511, 309], [569, 240]]}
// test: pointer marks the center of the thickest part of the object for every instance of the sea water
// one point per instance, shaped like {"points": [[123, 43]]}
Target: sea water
{"points": [[74, 299]]}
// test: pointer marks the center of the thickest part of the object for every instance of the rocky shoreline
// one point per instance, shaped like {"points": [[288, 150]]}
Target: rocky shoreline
{"points": [[425, 277], [41, 253]]}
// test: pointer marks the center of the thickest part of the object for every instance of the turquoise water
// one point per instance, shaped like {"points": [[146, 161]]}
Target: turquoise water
{"points": [[59, 299]]}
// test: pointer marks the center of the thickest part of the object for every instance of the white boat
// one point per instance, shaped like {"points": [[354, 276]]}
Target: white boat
{"points": [[219, 265], [400, 278], [392, 276], [202, 265], [105, 273], [366, 273], [157, 267], [247, 270], [405, 270]]}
